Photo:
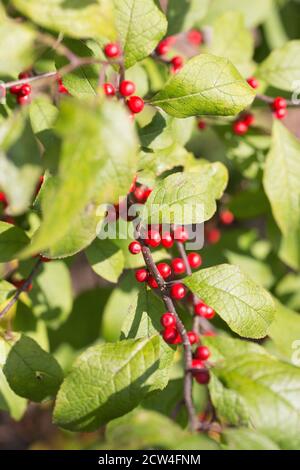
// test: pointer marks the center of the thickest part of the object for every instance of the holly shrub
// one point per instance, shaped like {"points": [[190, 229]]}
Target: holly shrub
{"points": [[150, 221]]}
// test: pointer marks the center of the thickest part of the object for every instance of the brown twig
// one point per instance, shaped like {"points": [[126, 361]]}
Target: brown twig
{"points": [[269, 100], [21, 289]]}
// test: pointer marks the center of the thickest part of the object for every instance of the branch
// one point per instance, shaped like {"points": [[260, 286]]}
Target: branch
{"points": [[21, 289], [188, 354], [269, 100]]}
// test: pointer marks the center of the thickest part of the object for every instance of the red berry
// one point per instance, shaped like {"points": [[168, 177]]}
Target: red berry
{"points": [[253, 82], [213, 236], [25, 90], [180, 234], [24, 75], [178, 291], [280, 113], [171, 336], [201, 124], [167, 240], [177, 63], [112, 50], [209, 313], [279, 103], [165, 45], [141, 275], [239, 127], [200, 308], [135, 248], [195, 260], [248, 119], [202, 353], [152, 282], [135, 104], [226, 217], [15, 89], [153, 239], [3, 199], [109, 89], [164, 269], [127, 88], [202, 377], [197, 364], [23, 100], [168, 320], [133, 185], [195, 37], [140, 194], [193, 337], [178, 266], [19, 284], [209, 333]]}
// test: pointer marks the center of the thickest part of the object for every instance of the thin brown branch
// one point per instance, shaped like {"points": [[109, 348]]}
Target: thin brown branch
{"points": [[269, 100], [21, 289]]}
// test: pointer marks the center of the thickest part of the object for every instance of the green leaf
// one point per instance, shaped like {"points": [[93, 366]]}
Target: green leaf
{"points": [[106, 259], [106, 382], [20, 163], [245, 306], [82, 19], [284, 192], [6, 291], [17, 42], [187, 197], [87, 167], [143, 429], [231, 39], [247, 439], [281, 69], [288, 290], [285, 333], [254, 12], [12, 241], [42, 114], [268, 388], [141, 25], [52, 295], [183, 14], [257, 270], [31, 372], [207, 85]]}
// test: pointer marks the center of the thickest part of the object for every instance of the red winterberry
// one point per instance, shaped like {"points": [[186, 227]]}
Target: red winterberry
{"points": [[280, 113], [195, 37], [226, 217], [164, 270], [195, 260], [167, 240], [279, 103], [135, 104], [23, 100], [202, 377], [178, 266], [202, 353], [239, 127], [171, 336], [193, 337], [112, 50], [153, 238], [177, 63], [248, 119], [141, 275], [165, 45], [24, 75], [141, 194], [213, 236], [15, 89], [253, 82], [127, 88], [180, 234], [3, 199], [25, 90], [200, 308], [209, 313], [152, 282], [133, 185], [178, 291], [197, 364], [168, 320], [201, 124], [109, 89], [135, 248]]}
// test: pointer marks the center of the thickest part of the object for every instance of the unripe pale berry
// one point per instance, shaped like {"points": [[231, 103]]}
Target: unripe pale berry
{"points": [[239, 127], [112, 50], [253, 82], [167, 240], [226, 217], [178, 291], [180, 234], [141, 275], [127, 88], [168, 320], [135, 104], [195, 260], [178, 266], [193, 337], [135, 248], [152, 282], [109, 89], [202, 353], [164, 270], [153, 238]]}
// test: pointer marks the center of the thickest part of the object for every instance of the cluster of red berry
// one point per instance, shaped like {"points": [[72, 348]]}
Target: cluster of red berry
{"points": [[22, 92], [279, 107], [126, 88], [242, 124]]}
